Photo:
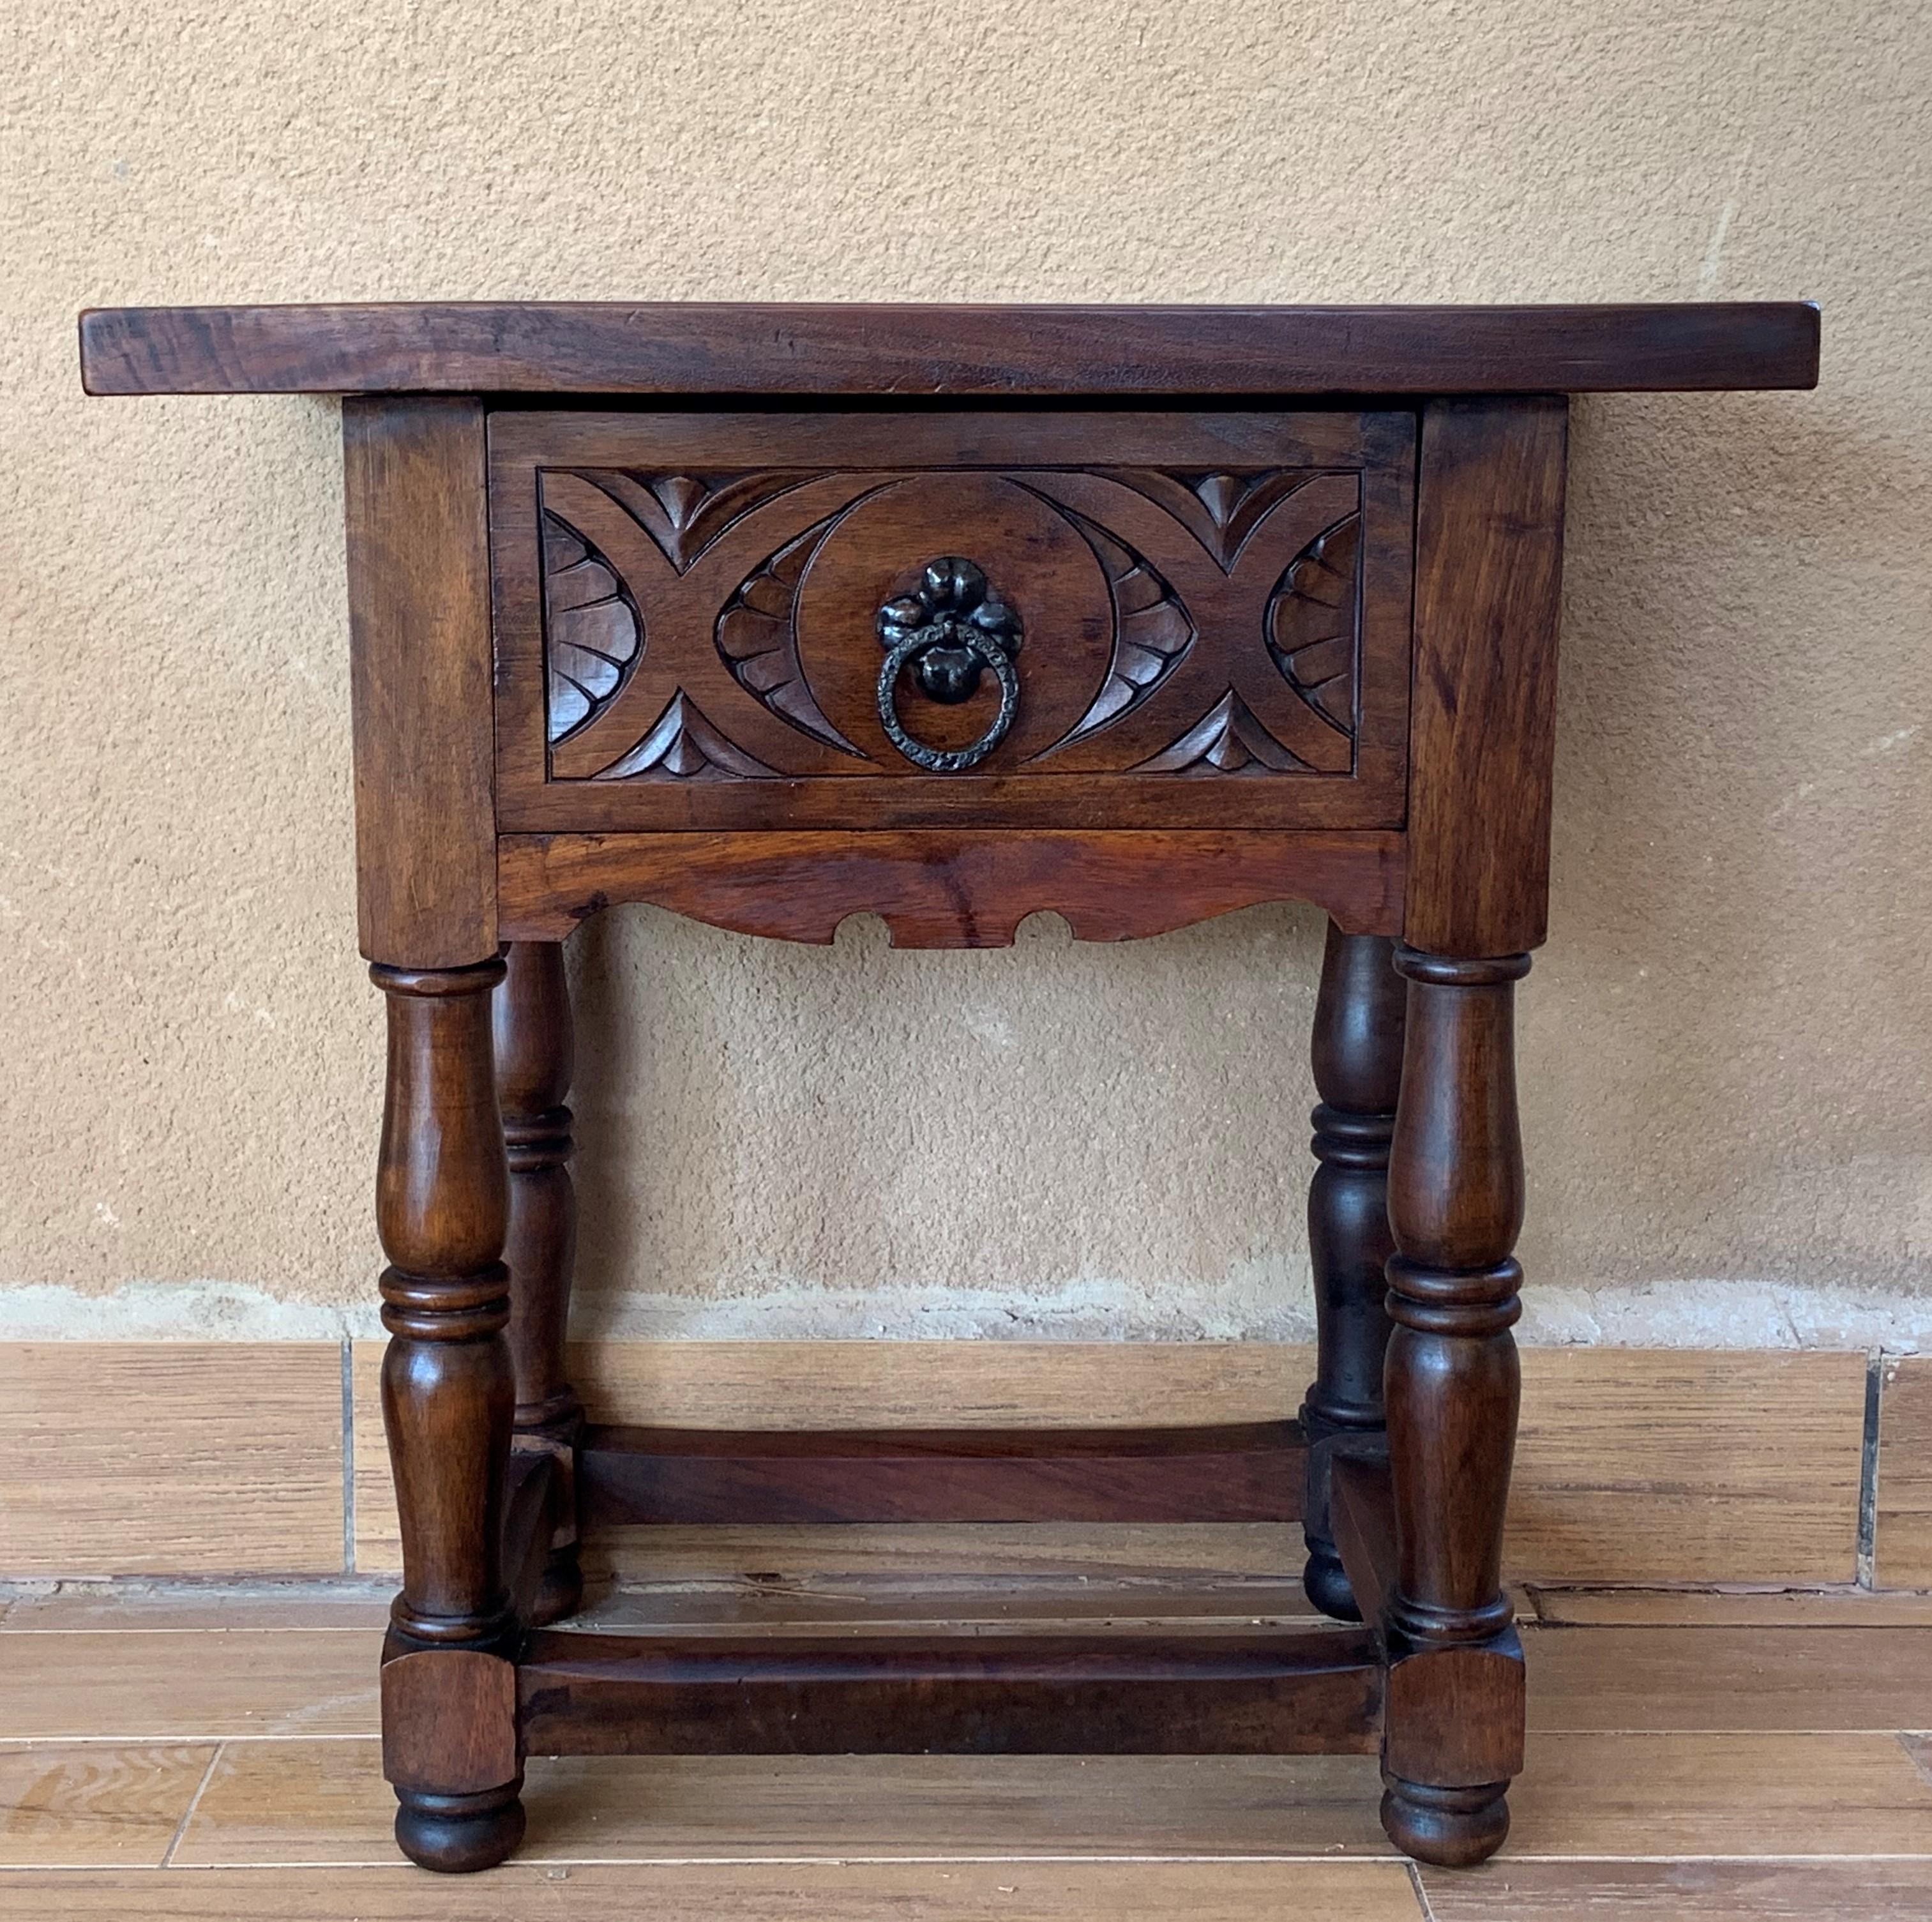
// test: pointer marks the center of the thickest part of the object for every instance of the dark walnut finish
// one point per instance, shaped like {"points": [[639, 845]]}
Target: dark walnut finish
{"points": [[419, 648], [534, 1058], [702, 349], [1236, 1472], [1292, 1692], [1489, 565], [1357, 1061], [1204, 620], [956, 888], [1453, 1728], [784, 646], [448, 1400]]}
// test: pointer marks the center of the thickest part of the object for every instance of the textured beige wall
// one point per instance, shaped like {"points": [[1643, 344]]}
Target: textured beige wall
{"points": [[1728, 1043]]}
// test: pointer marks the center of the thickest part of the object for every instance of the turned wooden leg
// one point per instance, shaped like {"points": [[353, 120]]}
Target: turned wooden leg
{"points": [[1454, 1712], [442, 1197], [1357, 1054], [534, 1065]]}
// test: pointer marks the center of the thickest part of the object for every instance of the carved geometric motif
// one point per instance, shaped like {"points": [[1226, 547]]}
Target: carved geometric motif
{"points": [[1221, 511], [1310, 624], [1226, 740], [1224, 605], [1151, 629], [685, 513], [594, 632], [757, 634], [683, 745]]}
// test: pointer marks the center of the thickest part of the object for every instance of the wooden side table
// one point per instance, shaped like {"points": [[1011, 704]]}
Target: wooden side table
{"points": [[775, 615]]}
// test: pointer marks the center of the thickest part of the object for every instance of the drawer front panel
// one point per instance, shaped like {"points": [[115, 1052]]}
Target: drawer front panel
{"points": [[853, 621]]}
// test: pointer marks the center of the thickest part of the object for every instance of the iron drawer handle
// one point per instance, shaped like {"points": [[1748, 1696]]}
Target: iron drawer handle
{"points": [[949, 628]]}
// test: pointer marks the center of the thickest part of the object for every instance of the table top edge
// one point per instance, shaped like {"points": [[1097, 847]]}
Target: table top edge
{"points": [[910, 352]]}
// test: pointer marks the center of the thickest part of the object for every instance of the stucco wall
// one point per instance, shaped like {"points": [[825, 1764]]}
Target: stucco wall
{"points": [[1727, 1046]]}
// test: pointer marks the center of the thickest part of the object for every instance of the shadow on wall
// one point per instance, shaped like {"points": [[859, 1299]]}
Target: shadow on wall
{"points": [[1726, 1055], [1739, 781], [1058, 1137]]}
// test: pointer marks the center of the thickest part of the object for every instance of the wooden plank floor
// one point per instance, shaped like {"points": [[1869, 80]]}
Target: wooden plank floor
{"points": [[197, 1752]]}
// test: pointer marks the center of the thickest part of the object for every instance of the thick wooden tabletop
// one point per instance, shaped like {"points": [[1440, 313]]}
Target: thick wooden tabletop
{"points": [[671, 348]]}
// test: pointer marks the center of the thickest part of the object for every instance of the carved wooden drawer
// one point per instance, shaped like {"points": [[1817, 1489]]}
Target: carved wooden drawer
{"points": [[1047, 620]]}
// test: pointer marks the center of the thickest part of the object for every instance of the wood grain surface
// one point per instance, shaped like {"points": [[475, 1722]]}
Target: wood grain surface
{"points": [[133, 1684], [96, 1805], [170, 1457], [934, 889], [1512, 1891], [1902, 1545], [1845, 1607], [185, 1684], [1716, 1680], [1634, 1793], [1489, 565], [772, 1385], [1633, 1465], [1635, 1801], [646, 347], [957, 1891], [320, 1802], [1693, 1465], [1282, 1691], [1230, 1472], [420, 681]]}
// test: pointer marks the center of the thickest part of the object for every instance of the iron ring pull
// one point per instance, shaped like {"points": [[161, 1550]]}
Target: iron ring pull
{"points": [[949, 629], [941, 761]]}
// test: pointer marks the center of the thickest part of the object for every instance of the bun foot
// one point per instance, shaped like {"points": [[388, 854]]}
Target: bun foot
{"points": [[560, 1592], [456, 1835], [1453, 1828], [1325, 1585]]}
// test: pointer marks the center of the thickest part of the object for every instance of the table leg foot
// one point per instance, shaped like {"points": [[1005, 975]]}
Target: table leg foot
{"points": [[456, 1835], [560, 1593], [1326, 1585], [1453, 1828]]}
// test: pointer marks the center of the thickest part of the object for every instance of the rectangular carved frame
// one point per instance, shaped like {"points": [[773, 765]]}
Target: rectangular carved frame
{"points": [[1061, 507]]}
